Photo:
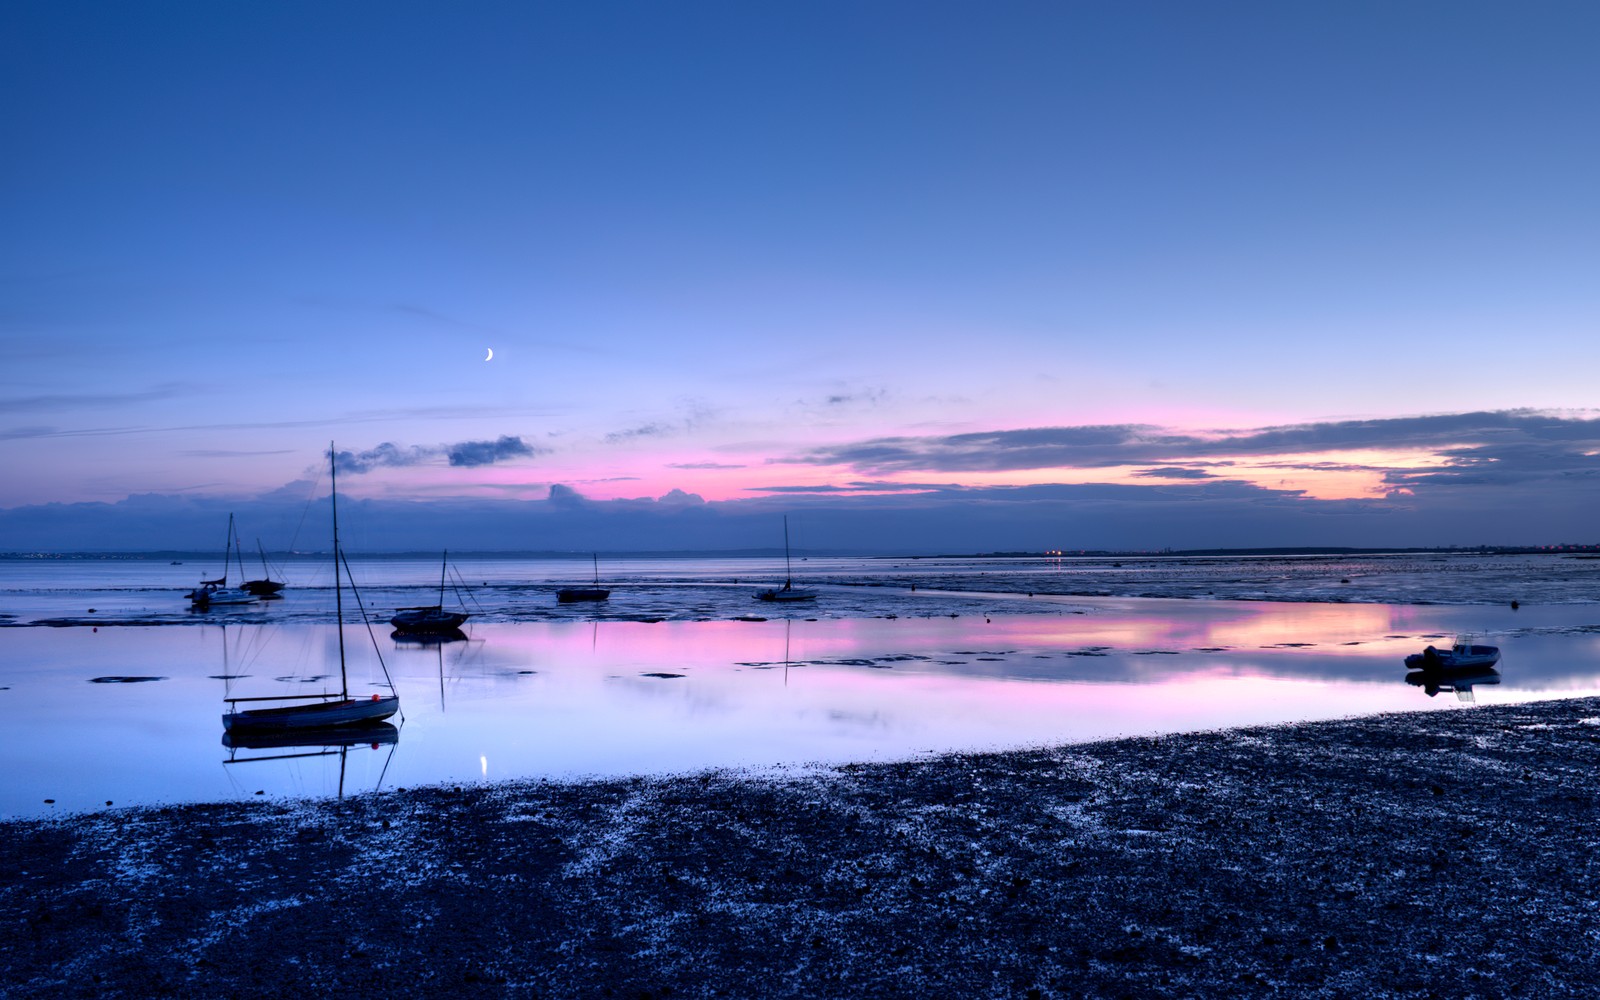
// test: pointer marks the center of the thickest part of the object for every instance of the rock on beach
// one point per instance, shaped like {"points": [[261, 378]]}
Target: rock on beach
{"points": [[1432, 853]]}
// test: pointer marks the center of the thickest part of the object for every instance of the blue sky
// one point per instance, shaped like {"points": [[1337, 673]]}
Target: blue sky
{"points": [[1176, 273]]}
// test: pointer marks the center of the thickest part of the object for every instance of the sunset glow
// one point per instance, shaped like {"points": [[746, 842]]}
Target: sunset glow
{"points": [[978, 305]]}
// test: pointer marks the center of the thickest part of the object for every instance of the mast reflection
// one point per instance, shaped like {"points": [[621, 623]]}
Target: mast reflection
{"points": [[324, 742]]}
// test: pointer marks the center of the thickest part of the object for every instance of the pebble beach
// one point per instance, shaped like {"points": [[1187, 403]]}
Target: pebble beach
{"points": [[1408, 854]]}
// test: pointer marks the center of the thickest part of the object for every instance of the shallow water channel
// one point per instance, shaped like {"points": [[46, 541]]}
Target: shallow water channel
{"points": [[132, 714]]}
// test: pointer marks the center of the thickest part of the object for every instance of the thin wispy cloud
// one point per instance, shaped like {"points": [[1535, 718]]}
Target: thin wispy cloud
{"points": [[693, 413], [434, 316], [650, 430], [25, 433], [84, 400], [862, 397], [1174, 472], [234, 453], [856, 488]]}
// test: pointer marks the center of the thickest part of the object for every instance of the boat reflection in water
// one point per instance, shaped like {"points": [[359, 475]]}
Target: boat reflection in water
{"points": [[328, 741], [1460, 681], [427, 638]]}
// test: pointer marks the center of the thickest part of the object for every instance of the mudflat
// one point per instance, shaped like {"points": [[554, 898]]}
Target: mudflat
{"points": [[1449, 853]]}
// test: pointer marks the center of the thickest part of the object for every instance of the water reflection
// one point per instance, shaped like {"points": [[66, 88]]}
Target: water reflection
{"points": [[325, 742], [559, 699], [1460, 681], [427, 638]]}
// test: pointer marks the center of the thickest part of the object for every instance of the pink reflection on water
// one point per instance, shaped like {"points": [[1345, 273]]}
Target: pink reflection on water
{"points": [[609, 698]]}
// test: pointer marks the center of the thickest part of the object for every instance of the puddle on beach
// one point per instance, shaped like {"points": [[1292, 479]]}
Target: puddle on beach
{"points": [[563, 699]]}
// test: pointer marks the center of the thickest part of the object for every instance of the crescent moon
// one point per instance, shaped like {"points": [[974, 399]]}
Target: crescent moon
{"points": [[490, 355]]}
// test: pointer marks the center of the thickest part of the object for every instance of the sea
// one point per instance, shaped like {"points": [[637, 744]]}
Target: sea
{"points": [[112, 688]]}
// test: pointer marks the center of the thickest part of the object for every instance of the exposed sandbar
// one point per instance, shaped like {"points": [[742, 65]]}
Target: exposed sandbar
{"points": [[1431, 852]]}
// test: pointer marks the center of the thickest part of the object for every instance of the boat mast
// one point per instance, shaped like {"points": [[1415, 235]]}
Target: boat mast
{"points": [[338, 599], [227, 551], [444, 560], [596, 557], [788, 574]]}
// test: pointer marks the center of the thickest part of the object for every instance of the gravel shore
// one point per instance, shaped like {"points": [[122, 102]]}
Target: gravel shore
{"points": [[1418, 854]]}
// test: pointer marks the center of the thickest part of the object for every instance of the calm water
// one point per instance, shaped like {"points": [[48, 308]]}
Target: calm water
{"points": [[895, 659]]}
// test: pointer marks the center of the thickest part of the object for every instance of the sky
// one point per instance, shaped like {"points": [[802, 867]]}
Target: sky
{"points": [[923, 276]]}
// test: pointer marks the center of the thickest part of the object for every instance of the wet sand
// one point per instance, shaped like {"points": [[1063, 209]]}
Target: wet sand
{"points": [[1412, 854]]}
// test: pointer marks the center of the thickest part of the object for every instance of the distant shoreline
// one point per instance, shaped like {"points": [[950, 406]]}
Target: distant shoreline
{"points": [[1578, 550]]}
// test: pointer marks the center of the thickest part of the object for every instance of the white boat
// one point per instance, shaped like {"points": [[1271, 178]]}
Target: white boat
{"points": [[318, 711], [787, 592], [207, 597], [1463, 655], [430, 619], [211, 593]]}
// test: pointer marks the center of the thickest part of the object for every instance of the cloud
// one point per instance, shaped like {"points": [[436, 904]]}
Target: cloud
{"points": [[464, 454], [23, 433], [692, 413], [564, 496], [228, 453], [471, 454], [857, 487], [386, 455], [1462, 438], [77, 400], [432, 315], [1213, 513], [650, 430], [870, 396], [1174, 472], [678, 498]]}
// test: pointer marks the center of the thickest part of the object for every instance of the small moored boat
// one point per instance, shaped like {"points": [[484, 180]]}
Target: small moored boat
{"points": [[430, 619], [572, 595], [317, 711], [1463, 655], [211, 593], [266, 586], [787, 592]]}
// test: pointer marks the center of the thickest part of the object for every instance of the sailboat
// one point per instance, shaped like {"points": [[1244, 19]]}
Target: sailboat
{"points": [[788, 592], [326, 710], [213, 592], [266, 585], [571, 595], [430, 618]]}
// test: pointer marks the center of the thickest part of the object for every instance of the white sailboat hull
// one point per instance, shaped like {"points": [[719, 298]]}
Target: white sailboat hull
{"points": [[322, 715], [786, 594], [221, 595]]}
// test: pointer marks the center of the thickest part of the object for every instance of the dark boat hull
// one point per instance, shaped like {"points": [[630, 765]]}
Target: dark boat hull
{"points": [[572, 595], [261, 587], [428, 638], [427, 621]]}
